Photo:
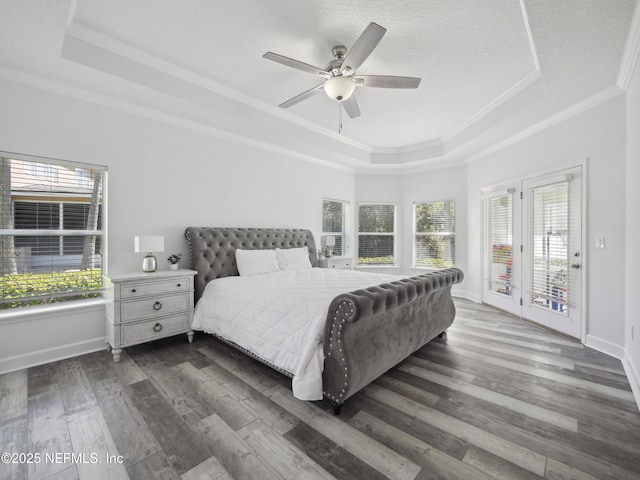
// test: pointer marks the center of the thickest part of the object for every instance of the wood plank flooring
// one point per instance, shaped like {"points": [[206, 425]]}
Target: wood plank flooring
{"points": [[496, 398]]}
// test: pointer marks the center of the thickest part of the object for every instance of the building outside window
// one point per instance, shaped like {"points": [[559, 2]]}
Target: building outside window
{"points": [[51, 231], [376, 235]]}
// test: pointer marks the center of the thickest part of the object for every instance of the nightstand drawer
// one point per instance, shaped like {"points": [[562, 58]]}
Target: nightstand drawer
{"points": [[133, 290], [154, 306], [345, 263], [155, 328]]}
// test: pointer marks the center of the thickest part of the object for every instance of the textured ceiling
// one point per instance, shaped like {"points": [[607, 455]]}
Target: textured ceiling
{"points": [[489, 68]]}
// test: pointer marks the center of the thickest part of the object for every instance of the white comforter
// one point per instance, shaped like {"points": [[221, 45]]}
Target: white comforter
{"points": [[280, 316]]}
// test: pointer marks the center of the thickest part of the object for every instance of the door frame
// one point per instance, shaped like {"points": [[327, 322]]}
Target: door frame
{"points": [[517, 183]]}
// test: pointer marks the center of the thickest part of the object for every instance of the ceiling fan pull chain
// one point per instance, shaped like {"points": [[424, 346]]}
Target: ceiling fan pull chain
{"points": [[339, 118]]}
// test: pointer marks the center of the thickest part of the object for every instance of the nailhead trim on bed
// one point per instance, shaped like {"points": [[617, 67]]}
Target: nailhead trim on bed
{"points": [[353, 306]]}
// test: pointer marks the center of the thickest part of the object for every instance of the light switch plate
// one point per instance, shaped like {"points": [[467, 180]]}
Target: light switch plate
{"points": [[600, 242]]}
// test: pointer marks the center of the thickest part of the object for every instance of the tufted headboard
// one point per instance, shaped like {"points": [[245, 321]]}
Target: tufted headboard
{"points": [[213, 250]]}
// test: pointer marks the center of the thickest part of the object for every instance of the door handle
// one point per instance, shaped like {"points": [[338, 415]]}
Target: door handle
{"points": [[575, 266]]}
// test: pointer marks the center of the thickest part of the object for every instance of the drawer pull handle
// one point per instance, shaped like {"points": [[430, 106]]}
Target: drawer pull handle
{"points": [[133, 290], [157, 327], [179, 285], [157, 306]]}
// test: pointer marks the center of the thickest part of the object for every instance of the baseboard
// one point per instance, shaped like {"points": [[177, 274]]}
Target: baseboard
{"points": [[605, 346], [633, 375], [31, 359], [465, 294]]}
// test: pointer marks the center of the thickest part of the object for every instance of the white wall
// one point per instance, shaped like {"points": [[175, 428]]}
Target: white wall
{"points": [[632, 278], [161, 179], [599, 135]]}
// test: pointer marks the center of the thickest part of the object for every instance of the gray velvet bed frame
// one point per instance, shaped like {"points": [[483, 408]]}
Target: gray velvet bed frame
{"points": [[367, 331]]}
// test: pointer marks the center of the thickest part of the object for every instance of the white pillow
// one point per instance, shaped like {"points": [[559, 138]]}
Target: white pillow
{"points": [[253, 262], [292, 258]]}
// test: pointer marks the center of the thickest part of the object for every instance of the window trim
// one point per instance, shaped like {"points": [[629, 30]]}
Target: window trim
{"points": [[414, 258], [72, 166], [393, 234]]}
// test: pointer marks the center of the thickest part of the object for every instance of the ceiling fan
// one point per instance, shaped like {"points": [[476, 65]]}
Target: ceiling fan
{"points": [[340, 74]]}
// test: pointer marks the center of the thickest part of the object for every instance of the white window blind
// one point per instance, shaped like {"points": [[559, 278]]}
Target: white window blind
{"points": [[51, 232], [376, 234], [499, 215], [434, 234], [548, 245], [334, 222]]}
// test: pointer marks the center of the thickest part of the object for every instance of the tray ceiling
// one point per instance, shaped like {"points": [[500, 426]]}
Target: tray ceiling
{"points": [[489, 68]]}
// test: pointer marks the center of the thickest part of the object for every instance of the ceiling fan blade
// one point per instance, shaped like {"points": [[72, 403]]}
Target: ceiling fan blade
{"points": [[351, 107], [290, 62], [303, 96], [386, 81], [362, 48]]}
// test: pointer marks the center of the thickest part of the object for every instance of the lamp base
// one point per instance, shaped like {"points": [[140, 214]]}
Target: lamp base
{"points": [[149, 263]]}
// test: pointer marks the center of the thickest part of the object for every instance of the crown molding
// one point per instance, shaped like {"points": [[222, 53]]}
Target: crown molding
{"points": [[582, 106], [96, 50], [30, 80], [507, 95], [438, 147], [99, 43], [527, 26], [631, 51]]}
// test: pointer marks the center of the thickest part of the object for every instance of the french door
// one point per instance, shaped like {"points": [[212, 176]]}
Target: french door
{"points": [[533, 250]]}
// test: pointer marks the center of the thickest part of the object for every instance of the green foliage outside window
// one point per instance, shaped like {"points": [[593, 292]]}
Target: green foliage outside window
{"points": [[435, 234], [54, 285], [376, 237]]}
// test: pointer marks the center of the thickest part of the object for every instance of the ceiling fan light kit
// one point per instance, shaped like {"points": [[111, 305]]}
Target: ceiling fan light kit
{"points": [[339, 88], [340, 80]]}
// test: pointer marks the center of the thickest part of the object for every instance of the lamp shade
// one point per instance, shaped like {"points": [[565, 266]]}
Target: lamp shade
{"points": [[339, 88], [149, 244], [328, 241]]}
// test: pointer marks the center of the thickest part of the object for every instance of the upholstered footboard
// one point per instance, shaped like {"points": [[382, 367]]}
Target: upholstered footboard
{"points": [[369, 331]]}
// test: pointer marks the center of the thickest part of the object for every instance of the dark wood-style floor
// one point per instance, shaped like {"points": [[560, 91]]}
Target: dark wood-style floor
{"points": [[495, 398]]}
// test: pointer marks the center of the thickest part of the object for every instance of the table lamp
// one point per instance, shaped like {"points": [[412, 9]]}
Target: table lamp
{"points": [[328, 242], [149, 244]]}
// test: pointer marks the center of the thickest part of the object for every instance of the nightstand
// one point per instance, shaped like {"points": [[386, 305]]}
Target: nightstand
{"points": [[142, 307], [344, 263]]}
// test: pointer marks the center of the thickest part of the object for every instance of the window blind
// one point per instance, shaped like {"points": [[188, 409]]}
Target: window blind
{"points": [[548, 245], [499, 215], [434, 234], [376, 234], [51, 231], [334, 221]]}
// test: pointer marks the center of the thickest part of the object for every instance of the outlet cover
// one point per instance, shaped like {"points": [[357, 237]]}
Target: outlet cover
{"points": [[600, 242]]}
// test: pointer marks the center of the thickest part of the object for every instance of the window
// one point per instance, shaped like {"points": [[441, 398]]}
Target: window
{"points": [[549, 225], [45, 171], [376, 234], [434, 234], [83, 177], [499, 218], [334, 223], [51, 232]]}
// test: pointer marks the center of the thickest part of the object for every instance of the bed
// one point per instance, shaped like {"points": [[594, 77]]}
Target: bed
{"points": [[332, 331]]}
